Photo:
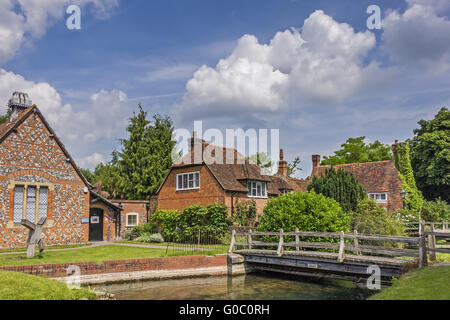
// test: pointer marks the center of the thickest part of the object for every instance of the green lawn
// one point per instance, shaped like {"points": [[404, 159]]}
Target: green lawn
{"points": [[51, 247], [18, 286], [95, 254], [430, 283]]}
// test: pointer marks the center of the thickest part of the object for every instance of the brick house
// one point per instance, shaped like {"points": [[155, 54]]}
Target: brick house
{"points": [[39, 178], [195, 180], [380, 179]]}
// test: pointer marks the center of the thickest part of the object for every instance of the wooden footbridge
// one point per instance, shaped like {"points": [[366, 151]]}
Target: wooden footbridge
{"points": [[347, 256]]}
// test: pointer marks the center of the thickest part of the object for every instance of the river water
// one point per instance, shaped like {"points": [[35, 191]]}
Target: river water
{"points": [[247, 287]]}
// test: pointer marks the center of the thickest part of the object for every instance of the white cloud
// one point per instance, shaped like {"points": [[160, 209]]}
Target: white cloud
{"points": [[105, 117], [322, 62], [419, 36], [91, 161], [24, 20]]}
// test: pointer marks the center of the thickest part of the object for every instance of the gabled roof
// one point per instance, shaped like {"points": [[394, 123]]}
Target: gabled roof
{"points": [[97, 197], [9, 126], [232, 176], [373, 176]]}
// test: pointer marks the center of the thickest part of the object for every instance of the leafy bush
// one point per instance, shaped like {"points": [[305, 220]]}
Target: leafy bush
{"points": [[150, 238], [406, 216], [370, 218], [139, 230], [211, 220], [244, 213], [307, 211], [340, 185], [437, 210], [168, 221]]}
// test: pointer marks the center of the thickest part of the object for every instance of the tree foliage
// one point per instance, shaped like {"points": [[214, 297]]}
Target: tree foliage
{"points": [[370, 218], [430, 156], [264, 161], [244, 212], [436, 210], [355, 150], [307, 211], [137, 171], [341, 186], [413, 200], [293, 167], [5, 117]]}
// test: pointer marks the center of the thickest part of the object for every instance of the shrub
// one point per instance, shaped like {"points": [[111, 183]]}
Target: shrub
{"points": [[211, 220], [150, 238], [406, 216], [370, 218], [307, 211], [434, 211], [139, 230], [167, 220], [244, 213], [340, 185]]}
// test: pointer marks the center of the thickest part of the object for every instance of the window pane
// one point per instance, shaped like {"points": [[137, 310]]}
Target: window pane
{"points": [[185, 181], [180, 182], [197, 180], [259, 189], [18, 204], [31, 204], [43, 203], [191, 180]]}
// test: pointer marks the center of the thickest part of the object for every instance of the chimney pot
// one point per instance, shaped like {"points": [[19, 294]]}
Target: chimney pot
{"points": [[316, 160], [18, 103], [282, 165], [281, 155]]}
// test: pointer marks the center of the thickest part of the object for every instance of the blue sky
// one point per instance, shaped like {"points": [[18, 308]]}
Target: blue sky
{"points": [[344, 81]]}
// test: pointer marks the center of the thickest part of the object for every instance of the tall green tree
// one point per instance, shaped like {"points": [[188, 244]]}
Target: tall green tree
{"points": [[341, 186], [355, 150], [264, 162], [430, 156], [145, 158]]}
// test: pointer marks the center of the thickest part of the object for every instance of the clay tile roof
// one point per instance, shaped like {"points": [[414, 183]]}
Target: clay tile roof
{"points": [[6, 126], [373, 176]]}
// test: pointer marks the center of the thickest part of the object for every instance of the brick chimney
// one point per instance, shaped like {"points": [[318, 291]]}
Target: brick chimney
{"points": [[196, 149], [282, 165], [18, 103], [316, 160]]}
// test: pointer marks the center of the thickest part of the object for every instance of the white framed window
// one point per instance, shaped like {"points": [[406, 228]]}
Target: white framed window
{"points": [[257, 189], [286, 191], [379, 197], [30, 203], [188, 181], [132, 219]]}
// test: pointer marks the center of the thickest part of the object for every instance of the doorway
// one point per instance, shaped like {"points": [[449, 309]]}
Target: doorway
{"points": [[96, 224]]}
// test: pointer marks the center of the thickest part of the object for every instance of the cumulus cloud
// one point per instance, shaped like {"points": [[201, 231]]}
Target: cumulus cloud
{"points": [[91, 161], [419, 36], [322, 62], [24, 20], [104, 118]]}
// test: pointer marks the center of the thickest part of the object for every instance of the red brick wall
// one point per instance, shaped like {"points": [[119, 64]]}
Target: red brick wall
{"points": [[131, 206], [114, 266], [210, 191]]}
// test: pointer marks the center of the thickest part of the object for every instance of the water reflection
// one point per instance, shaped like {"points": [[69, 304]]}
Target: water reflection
{"points": [[249, 287]]}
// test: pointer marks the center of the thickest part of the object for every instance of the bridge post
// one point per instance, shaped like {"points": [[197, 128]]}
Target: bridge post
{"points": [[233, 241], [280, 244], [432, 244], [249, 239], [297, 240], [423, 260], [341, 256], [356, 243]]}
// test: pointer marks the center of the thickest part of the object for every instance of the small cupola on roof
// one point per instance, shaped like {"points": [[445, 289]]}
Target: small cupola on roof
{"points": [[19, 102]]}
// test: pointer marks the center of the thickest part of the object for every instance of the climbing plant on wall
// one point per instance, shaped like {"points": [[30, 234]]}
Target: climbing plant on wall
{"points": [[402, 159]]}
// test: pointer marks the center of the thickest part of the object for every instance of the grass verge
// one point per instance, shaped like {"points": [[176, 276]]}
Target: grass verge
{"points": [[69, 246], [18, 286], [429, 283], [95, 254]]}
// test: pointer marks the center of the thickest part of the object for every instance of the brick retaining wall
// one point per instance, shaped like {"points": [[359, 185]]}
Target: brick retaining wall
{"points": [[130, 265]]}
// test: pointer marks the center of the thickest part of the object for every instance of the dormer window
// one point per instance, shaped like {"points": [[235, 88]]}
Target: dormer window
{"points": [[188, 181], [257, 189]]}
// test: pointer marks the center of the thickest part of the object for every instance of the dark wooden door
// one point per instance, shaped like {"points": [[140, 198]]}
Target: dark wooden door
{"points": [[96, 225]]}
